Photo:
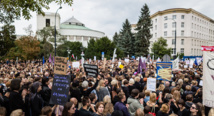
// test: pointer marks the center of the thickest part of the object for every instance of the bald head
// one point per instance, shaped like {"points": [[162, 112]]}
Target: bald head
{"points": [[167, 84], [73, 99]]}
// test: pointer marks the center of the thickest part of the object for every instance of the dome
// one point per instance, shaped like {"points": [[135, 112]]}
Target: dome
{"points": [[73, 21]]}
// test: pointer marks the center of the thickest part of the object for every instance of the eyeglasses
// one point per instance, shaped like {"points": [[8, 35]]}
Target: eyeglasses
{"points": [[193, 107]]}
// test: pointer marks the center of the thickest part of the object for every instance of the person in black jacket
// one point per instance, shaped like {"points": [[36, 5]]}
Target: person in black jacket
{"points": [[182, 109], [86, 91], [46, 91], [86, 102], [36, 101]]}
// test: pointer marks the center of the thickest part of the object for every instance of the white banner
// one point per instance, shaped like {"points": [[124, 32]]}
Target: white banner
{"points": [[127, 60], [75, 64], [175, 63], [151, 84], [208, 79]]}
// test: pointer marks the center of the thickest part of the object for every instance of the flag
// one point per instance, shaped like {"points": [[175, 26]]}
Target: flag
{"points": [[140, 66], [175, 63], [73, 56], [50, 60], [195, 62], [43, 60]]}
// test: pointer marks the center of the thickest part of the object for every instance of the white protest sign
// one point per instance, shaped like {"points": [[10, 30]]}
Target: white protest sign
{"points": [[119, 63], [151, 84], [75, 64], [127, 60], [185, 66], [90, 60], [208, 79], [175, 63], [187, 62], [201, 83], [95, 58]]}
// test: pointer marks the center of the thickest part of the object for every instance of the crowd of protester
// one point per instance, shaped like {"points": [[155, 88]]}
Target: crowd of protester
{"points": [[25, 89]]}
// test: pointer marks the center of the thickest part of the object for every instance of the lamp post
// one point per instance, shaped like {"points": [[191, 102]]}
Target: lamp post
{"points": [[69, 51], [55, 28], [175, 37]]}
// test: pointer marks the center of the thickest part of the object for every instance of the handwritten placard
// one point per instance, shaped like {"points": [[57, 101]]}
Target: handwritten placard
{"points": [[60, 65], [91, 70], [151, 84], [60, 89], [76, 64]]}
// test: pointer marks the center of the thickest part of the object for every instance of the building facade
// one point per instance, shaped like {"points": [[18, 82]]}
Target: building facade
{"points": [[193, 30], [72, 29]]}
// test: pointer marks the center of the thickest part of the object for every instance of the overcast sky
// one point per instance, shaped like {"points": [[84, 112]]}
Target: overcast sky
{"points": [[108, 15]]}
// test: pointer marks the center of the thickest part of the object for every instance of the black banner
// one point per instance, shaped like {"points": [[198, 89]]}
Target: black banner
{"points": [[60, 89], [91, 70]]}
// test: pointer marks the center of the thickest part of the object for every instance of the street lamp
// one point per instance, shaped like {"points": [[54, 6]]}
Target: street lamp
{"points": [[175, 37], [55, 27], [69, 51]]}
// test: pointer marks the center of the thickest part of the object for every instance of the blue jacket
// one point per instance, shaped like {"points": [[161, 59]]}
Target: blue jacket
{"points": [[120, 106]]}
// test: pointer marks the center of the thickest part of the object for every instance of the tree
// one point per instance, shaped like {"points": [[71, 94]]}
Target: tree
{"points": [[28, 30], [126, 39], [7, 38], [90, 52], [27, 48], [143, 35], [14, 9], [74, 46], [45, 49], [159, 48], [48, 34], [115, 38]]}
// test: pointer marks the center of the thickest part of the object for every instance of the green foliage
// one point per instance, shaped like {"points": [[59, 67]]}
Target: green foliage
{"points": [[14, 9], [143, 35], [7, 38], [115, 38], [27, 48], [45, 49], [159, 48], [74, 46], [95, 48], [48, 34], [181, 55]]}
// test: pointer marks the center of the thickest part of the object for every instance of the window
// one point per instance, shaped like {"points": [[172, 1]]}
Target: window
{"points": [[182, 41], [173, 33], [173, 16], [182, 24], [165, 18], [191, 52], [173, 51], [155, 34], [47, 23], [173, 41], [165, 33], [155, 27], [156, 20], [182, 33], [173, 24], [165, 25], [182, 50], [182, 16]]}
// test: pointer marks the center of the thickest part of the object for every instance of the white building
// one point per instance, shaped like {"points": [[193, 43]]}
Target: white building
{"points": [[73, 29], [193, 30]]}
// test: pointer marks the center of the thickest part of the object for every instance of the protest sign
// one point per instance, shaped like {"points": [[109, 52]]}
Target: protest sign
{"points": [[75, 64], [91, 70], [95, 58], [208, 79], [119, 63], [164, 70], [60, 65], [151, 84], [201, 83], [60, 89], [121, 66], [175, 63]]}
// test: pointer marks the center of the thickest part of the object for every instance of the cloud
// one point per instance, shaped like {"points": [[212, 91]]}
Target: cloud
{"points": [[108, 15]]}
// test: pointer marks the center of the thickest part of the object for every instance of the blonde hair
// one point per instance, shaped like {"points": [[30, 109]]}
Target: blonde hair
{"points": [[194, 83], [153, 97], [109, 108], [161, 87], [188, 87], [176, 95], [139, 112], [131, 81], [147, 92], [114, 82], [17, 112], [211, 112], [164, 108], [107, 99], [137, 79], [186, 80], [100, 84]]}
